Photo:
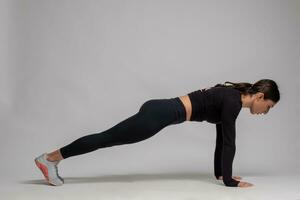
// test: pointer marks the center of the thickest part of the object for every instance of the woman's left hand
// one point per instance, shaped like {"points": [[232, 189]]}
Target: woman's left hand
{"points": [[234, 177]]}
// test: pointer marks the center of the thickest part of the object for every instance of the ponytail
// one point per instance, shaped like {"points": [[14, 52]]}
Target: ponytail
{"points": [[266, 86]]}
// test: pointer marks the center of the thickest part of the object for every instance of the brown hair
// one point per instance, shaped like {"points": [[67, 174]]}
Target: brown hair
{"points": [[266, 86]]}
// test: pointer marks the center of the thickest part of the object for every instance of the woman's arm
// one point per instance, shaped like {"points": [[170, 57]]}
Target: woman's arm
{"points": [[218, 152], [230, 111], [228, 152]]}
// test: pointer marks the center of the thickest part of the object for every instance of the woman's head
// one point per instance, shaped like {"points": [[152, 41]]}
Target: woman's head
{"points": [[259, 97]]}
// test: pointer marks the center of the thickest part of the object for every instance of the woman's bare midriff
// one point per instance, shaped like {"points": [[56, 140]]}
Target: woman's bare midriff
{"points": [[188, 106]]}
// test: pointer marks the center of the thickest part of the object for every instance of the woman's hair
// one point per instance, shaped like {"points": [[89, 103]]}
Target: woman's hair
{"points": [[266, 86]]}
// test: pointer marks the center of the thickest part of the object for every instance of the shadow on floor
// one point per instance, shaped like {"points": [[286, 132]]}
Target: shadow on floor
{"points": [[208, 178]]}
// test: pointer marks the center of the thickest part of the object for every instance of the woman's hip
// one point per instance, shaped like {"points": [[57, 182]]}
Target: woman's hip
{"points": [[165, 111]]}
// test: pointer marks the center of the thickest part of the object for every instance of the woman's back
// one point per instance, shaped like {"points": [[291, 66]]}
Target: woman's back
{"points": [[207, 104]]}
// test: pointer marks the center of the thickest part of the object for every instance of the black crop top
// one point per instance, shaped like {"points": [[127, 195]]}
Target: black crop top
{"points": [[220, 106]]}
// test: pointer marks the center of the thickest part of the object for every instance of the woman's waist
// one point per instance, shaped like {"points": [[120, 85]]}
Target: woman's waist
{"points": [[187, 105]]}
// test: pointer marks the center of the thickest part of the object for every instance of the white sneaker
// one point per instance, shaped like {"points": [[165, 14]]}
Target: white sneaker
{"points": [[49, 170]]}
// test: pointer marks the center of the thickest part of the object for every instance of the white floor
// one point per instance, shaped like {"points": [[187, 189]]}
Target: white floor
{"points": [[174, 186]]}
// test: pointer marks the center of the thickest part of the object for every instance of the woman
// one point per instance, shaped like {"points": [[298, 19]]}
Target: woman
{"points": [[219, 105]]}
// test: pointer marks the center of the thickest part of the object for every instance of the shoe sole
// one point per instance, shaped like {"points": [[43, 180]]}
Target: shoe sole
{"points": [[44, 170]]}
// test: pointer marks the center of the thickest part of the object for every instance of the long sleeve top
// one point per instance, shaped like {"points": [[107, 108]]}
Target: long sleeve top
{"points": [[220, 106]]}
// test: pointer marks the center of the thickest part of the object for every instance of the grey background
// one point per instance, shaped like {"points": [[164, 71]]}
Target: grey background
{"points": [[72, 68]]}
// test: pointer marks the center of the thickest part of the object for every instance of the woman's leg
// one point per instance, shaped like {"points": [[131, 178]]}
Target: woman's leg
{"points": [[153, 116]]}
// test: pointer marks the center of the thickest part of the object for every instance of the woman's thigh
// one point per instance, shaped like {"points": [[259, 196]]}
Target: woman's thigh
{"points": [[153, 116]]}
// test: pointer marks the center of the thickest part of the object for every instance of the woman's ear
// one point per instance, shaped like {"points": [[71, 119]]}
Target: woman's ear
{"points": [[260, 95]]}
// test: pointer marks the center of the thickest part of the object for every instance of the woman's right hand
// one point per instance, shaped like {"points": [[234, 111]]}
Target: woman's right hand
{"points": [[244, 184]]}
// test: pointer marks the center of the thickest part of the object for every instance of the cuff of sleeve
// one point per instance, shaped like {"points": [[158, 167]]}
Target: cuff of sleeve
{"points": [[231, 183]]}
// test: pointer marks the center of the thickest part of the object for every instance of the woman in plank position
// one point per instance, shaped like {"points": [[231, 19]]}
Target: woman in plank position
{"points": [[219, 105]]}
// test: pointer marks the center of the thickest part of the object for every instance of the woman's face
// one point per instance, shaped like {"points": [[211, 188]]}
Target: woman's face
{"points": [[260, 105]]}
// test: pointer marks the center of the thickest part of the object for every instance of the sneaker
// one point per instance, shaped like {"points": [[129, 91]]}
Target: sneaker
{"points": [[49, 170]]}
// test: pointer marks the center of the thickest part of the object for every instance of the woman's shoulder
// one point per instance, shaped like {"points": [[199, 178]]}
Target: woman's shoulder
{"points": [[228, 95], [224, 90], [227, 92]]}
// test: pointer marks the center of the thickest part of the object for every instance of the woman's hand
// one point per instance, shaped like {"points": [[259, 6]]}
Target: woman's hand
{"points": [[234, 177], [244, 184], [238, 178]]}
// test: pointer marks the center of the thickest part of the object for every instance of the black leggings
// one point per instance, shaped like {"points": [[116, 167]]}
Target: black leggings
{"points": [[153, 116]]}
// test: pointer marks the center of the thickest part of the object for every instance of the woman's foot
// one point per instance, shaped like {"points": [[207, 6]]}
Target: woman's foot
{"points": [[49, 170]]}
